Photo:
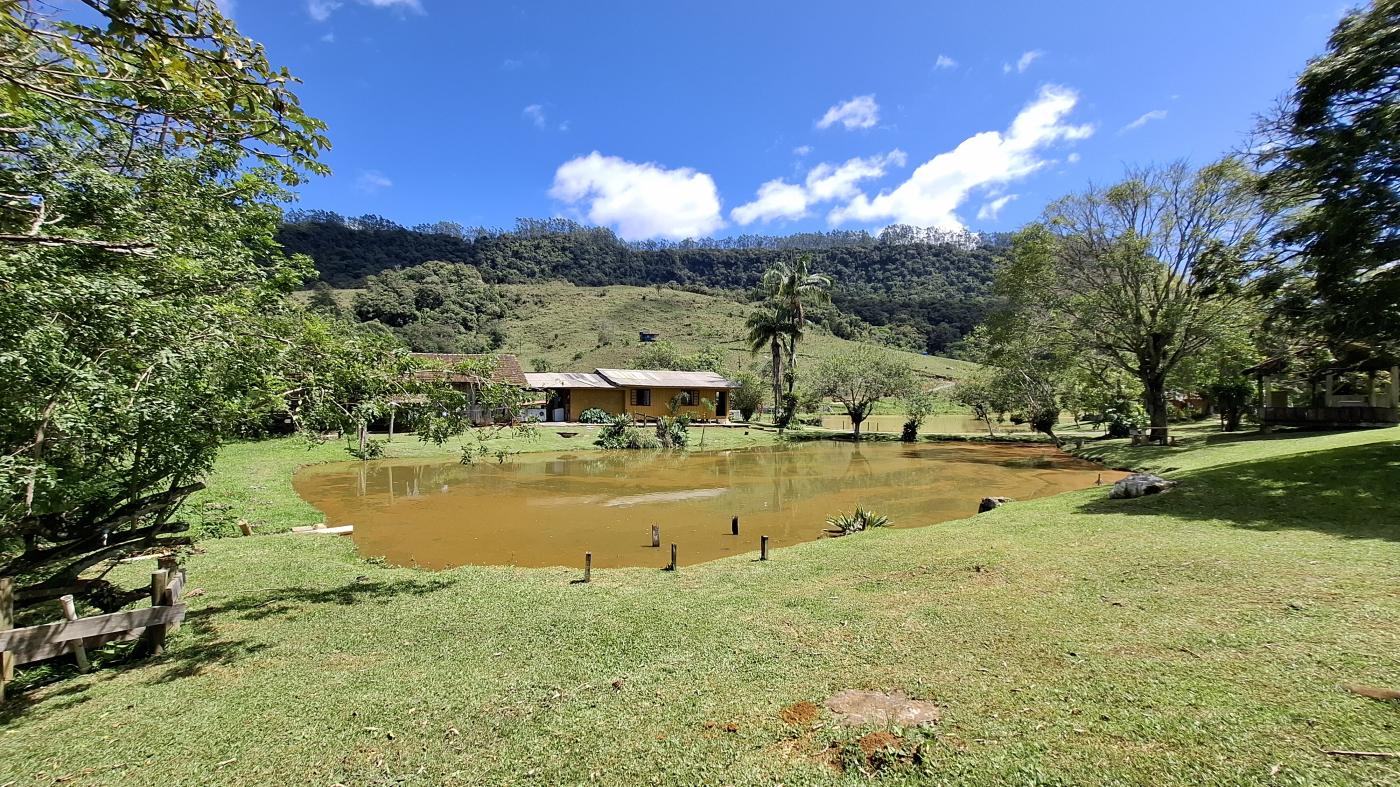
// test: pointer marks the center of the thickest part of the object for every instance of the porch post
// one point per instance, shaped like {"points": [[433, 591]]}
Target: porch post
{"points": [[1395, 386], [1372, 393], [1327, 392]]}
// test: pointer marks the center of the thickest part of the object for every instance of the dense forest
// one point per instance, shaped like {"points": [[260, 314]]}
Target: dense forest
{"points": [[926, 288]]}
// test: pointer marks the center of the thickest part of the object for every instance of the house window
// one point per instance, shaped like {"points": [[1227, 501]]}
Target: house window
{"points": [[689, 398], [641, 397]]}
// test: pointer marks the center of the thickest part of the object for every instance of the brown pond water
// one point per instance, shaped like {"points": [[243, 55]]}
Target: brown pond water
{"points": [[548, 509]]}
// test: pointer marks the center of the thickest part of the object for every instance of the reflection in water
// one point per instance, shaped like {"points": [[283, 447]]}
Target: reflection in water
{"points": [[548, 509], [933, 424]]}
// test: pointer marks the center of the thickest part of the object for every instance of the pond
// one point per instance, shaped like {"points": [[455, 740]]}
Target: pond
{"points": [[549, 509]]}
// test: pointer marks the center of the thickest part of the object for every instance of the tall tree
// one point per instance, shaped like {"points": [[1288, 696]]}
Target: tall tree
{"points": [[790, 289], [769, 330], [144, 147], [1334, 149], [1143, 273]]}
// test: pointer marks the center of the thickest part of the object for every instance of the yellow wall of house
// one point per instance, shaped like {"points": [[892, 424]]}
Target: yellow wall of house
{"points": [[609, 400], [661, 399]]}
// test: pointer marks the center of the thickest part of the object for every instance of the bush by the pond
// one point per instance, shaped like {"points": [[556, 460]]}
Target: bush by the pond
{"points": [[672, 431], [594, 415], [846, 524], [622, 433]]}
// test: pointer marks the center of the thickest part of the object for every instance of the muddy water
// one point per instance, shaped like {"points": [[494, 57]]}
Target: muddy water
{"points": [[548, 509]]}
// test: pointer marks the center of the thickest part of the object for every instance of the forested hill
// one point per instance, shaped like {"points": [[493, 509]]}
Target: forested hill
{"points": [[931, 286]]}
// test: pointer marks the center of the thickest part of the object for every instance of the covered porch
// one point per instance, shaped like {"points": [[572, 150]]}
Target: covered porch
{"points": [[1357, 396]]}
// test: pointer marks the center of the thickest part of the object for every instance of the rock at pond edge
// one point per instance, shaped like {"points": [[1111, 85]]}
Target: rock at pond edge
{"points": [[988, 503]]}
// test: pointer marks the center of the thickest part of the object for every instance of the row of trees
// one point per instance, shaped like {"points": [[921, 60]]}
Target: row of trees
{"points": [[921, 291]]}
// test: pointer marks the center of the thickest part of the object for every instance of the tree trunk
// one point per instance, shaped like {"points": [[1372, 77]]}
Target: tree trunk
{"points": [[1154, 395], [855, 426], [777, 379]]}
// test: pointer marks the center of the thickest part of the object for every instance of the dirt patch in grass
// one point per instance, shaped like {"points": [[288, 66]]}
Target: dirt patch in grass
{"points": [[855, 708], [800, 713]]}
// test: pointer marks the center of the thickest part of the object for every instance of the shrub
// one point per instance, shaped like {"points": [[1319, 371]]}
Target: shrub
{"points": [[672, 431], [594, 415], [622, 433], [846, 524]]}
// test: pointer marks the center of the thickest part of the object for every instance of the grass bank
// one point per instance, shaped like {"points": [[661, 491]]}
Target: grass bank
{"points": [[1197, 637]]}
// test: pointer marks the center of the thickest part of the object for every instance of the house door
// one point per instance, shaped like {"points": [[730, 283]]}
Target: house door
{"points": [[722, 406]]}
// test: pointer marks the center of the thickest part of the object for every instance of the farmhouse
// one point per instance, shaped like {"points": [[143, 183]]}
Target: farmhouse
{"points": [[642, 393]]}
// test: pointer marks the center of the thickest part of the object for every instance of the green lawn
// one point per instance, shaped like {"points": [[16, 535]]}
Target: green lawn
{"points": [[1197, 637]]}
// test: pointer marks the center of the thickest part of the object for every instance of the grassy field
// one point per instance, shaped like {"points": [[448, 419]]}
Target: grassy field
{"points": [[585, 328], [1197, 637]]}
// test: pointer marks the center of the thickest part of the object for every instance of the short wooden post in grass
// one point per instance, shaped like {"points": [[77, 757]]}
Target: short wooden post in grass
{"points": [[587, 566], [656, 536], [245, 527], [155, 635], [672, 567], [70, 613], [7, 621], [763, 547], [734, 526]]}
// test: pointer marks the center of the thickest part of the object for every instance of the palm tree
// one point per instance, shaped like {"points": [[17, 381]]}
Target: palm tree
{"points": [[790, 288], [768, 328]]}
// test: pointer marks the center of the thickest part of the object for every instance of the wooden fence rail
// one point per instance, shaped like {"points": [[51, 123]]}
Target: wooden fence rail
{"points": [[76, 635]]}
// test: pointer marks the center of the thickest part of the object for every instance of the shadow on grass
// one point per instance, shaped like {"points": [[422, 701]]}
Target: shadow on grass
{"points": [[196, 648], [1351, 492]]}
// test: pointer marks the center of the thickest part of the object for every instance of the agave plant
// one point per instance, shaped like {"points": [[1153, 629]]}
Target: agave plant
{"points": [[846, 524]]}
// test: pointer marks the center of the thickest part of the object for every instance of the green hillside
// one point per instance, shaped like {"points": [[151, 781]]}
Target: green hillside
{"points": [[576, 328]]}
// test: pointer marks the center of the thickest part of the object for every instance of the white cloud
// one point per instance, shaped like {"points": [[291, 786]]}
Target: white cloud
{"points": [[511, 64], [564, 126], [639, 200], [990, 210], [535, 114], [1022, 63], [859, 112], [328, 38], [321, 10], [1072, 158], [801, 150], [1144, 119], [372, 180], [945, 62], [935, 190], [778, 199]]}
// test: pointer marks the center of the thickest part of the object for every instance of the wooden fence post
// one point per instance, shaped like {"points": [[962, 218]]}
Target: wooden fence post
{"points": [[672, 567], [70, 613], [656, 536], [7, 621], [155, 635], [734, 526], [587, 566], [763, 547]]}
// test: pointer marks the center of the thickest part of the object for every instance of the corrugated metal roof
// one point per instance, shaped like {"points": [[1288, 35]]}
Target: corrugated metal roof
{"points": [[565, 380], [664, 378], [507, 369]]}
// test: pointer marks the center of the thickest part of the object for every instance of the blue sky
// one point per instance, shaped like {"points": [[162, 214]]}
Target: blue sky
{"points": [[671, 119]]}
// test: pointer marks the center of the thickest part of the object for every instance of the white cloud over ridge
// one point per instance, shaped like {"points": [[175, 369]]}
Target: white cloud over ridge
{"points": [[372, 180], [939, 186], [990, 210], [778, 199], [639, 201], [321, 10], [944, 61], [535, 114], [1023, 62], [859, 112], [1145, 118]]}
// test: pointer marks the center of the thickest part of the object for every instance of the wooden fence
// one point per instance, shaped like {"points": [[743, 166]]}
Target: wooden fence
{"points": [[75, 635]]}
